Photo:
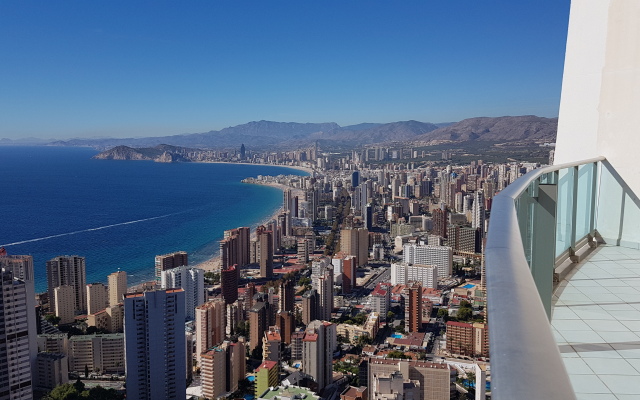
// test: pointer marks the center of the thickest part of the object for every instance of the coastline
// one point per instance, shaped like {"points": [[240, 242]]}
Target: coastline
{"points": [[214, 263], [310, 171]]}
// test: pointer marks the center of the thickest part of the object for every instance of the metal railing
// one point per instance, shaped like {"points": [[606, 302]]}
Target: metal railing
{"points": [[535, 222]]}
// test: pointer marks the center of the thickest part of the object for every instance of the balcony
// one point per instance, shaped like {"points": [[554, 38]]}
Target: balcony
{"points": [[562, 264]]}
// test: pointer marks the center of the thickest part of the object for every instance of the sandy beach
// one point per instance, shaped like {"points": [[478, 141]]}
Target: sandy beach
{"points": [[214, 263]]}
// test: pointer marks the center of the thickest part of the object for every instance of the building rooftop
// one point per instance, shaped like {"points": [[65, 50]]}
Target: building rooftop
{"points": [[289, 392], [267, 364]]}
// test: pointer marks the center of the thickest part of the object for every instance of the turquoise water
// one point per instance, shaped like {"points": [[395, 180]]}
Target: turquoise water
{"points": [[396, 336], [121, 214]]}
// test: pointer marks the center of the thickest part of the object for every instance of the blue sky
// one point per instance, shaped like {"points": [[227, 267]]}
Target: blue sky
{"points": [[127, 69]]}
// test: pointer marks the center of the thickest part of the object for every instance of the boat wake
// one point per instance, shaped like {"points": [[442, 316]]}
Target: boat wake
{"points": [[91, 229]]}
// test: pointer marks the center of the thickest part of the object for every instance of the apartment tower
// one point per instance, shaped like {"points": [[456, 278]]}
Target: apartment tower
{"points": [[16, 352], [155, 345], [68, 271], [117, 287], [168, 261]]}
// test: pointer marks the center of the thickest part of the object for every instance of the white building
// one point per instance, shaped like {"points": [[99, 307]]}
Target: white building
{"points": [[478, 212], [440, 256], [192, 281], [401, 273], [155, 345]]}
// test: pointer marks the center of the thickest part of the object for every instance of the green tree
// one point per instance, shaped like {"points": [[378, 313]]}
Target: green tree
{"points": [[390, 316], [464, 314], [465, 304], [52, 319], [444, 314]]}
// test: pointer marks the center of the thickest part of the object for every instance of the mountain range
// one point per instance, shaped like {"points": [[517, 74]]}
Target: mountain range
{"points": [[291, 135]]}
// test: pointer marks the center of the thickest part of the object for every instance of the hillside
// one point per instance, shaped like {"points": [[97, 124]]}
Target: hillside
{"points": [[521, 128], [272, 135]]}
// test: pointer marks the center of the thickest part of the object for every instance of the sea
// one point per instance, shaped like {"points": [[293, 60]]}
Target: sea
{"points": [[121, 214]]}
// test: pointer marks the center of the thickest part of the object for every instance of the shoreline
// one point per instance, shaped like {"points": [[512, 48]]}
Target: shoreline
{"points": [[214, 263], [308, 170]]}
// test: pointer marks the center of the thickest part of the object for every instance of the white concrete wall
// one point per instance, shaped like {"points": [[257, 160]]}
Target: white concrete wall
{"points": [[600, 103]]}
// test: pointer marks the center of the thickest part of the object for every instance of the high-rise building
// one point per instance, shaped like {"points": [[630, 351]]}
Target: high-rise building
{"points": [[229, 283], [402, 273], [414, 307], [168, 261], [271, 343], [63, 302], [234, 314], [155, 344], [319, 343], [309, 306], [243, 152], [265, 251], [345, 266], [478, 212], [97, 297], [191, 280], [117, 287], [21, 267], [69, 271], [266, 376], [324, 285], [235, 247], [355, 242], [210, 325], [213, 366], [440, 220], [258, 323], [17, 356], [468, 339], [286, 299], [250, 292], [285, 321]]}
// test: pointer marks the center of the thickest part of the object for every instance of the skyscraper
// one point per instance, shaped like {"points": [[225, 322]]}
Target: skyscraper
{"points": [[258, 323], [70, 271], [234, 247], [243, 152], [22, 268], [265, 251], [355, 242], [414, 307], [319, 343], [325, 294], [191, 280], [478, 212], [168, 261], [229, 283], [286, 299], [16, 354], [210, 325], [117, 287], [155, 349], [309, 306]]}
